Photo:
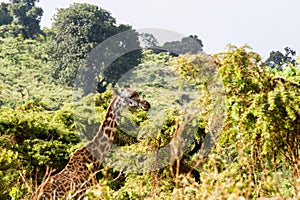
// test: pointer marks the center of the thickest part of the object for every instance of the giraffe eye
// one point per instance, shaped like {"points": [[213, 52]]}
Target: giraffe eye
{"points": [[131, 103]]}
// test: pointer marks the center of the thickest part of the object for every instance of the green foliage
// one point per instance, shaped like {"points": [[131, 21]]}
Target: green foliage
{"points": [[31, 139], [32, 134], [25, 74], [9, 161], [10, 30], [259, 145], [27, 15], [79, 29], [151, 185], [5, 17]]}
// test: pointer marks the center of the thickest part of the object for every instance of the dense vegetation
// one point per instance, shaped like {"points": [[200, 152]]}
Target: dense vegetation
{"points": [[258, 146]]}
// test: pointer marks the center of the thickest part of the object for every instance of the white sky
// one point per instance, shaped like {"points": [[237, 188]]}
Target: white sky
{"points": [[265, 25]]}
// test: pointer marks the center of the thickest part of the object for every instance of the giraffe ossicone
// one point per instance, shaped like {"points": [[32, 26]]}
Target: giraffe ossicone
{"points": [[78, 175]]}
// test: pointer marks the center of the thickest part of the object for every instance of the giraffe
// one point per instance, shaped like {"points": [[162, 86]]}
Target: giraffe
{"points": [[76, 176]]}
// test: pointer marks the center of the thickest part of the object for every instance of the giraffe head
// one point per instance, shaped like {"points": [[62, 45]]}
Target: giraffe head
{"points": [[131, 98]]}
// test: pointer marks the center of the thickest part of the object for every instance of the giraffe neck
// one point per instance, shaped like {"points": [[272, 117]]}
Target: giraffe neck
{"points": [[96, 149], [102, 141]]}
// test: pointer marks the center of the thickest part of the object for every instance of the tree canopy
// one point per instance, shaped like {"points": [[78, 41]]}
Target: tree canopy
{"points": [[79, 29], [27, 15], [278, 59], [5, 17], [188, 44]]}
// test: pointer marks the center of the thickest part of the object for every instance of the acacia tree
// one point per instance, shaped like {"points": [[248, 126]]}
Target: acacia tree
{"points": [[149, 40], [76, 31], [187, 44]]}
